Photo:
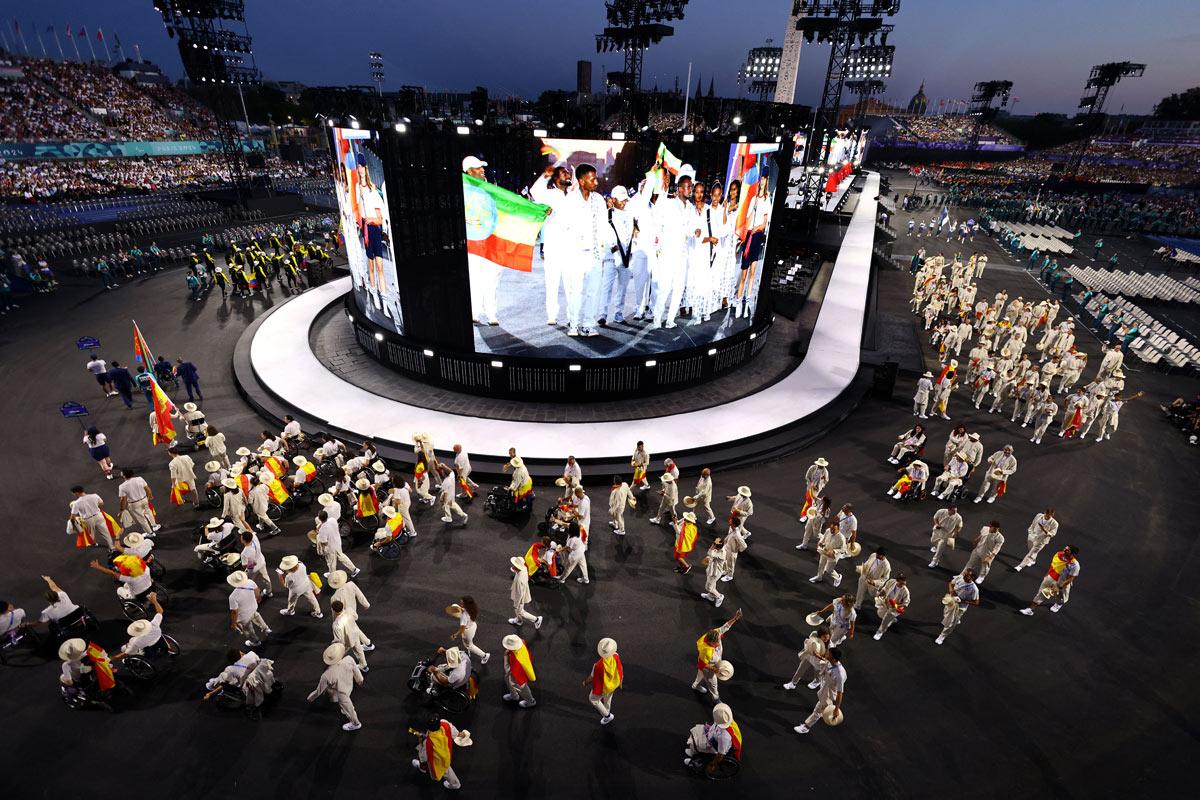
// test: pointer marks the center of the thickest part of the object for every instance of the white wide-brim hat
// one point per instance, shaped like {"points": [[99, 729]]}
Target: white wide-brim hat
{"points": [[814, 619], [229, 483], [689, 501], [379, 466], [516, 462], [362, 484], [744, 491], [326, 499], [289, 563], [212, 466], [690, 516], [139, 627], [72, 649], [333, 654], [217, 522], [724, 670], [832, 715], [299, 461], [134, 539], [463, 739], [454, 610], [722, 714], [667, 478], [512, 642], [854, 548], [231, 559], [337, 578], [242, 451], [238, 579], [189, 406], [389, 512], [454, 656], [606, 647], [517, 562]]}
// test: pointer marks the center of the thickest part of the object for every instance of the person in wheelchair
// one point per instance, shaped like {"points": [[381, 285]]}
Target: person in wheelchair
{"points": [[194, 423], [330, 450], [394, 530], [219, 537], [910, 442], [12, 620], [248, 680], [542, 560], [911, 483], [62, 615], [134, 544], [306, 471], [132, 575], [291, 436], [720, 740], [454, 674], [952, 478], [144, 634], [87, 675]]}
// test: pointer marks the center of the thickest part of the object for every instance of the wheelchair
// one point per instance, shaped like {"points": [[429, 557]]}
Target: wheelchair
{"points": [[213, 498], [135, 608], [911, 456], [302, 496], [390, 549], [157, 659], [87, 694], [727, 768], [500, 505], [448, 699], [79, 623], [21, 646], [211, 556], [233, 698]]}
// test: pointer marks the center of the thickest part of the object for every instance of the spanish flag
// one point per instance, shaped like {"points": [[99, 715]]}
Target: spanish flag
{"points": [[607, 675], [130, 566], [178, 491], [704, 652], [101, 666], [163, 408], [114, 530], [735, 733], [275, 464], [808, 502], [395, 524], [520, 666], [533, 557], [244, 482], [1001, 488], [686, 539], [84, 538], [466, 488], [419, 471], [309, 470], [524, 490], [1057, 564], [368, 504], [439, 745], [639, 473], [278, 492], [904, 484]]}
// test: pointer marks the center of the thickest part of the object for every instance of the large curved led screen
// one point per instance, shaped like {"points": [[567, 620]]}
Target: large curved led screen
{"points": [[366, 225], [615, 249]]}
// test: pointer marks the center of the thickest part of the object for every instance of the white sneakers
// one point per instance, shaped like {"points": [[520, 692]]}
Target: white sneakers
{"points": [[814, 684], [486, 657], [878, 635], [789, 686], [1027, 612], [352, 726], [607, 719], [801, 728], [940, 639], [537, 623], [726, 578], [1055, 608]]}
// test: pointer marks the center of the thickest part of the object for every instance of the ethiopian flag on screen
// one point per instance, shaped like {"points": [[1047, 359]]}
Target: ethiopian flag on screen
{"points": [[501, 226]]}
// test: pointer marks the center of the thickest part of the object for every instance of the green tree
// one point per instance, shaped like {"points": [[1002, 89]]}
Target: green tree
{"points": [[1182, 105]]}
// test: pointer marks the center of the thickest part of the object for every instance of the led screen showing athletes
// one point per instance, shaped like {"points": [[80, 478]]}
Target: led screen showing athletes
{"points": [[616, 248], [366, 225]]}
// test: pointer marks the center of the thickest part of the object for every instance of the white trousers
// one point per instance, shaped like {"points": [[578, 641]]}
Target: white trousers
{"points": [[485, 280]]}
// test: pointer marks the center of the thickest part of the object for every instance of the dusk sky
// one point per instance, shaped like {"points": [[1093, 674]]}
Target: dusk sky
{"points": [[1045, 47]]}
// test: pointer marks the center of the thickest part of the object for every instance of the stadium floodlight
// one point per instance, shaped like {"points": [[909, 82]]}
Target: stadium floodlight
{"points": [[634, 25]]}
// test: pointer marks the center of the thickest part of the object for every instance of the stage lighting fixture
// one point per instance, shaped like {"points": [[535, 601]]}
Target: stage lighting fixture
{"points": [[742, 139], [350, 317], [427, 353], [479, 122], [575, 368], [463, 129], [540, 132], [497, 364], [401, 127], [689, 137], [559, 125], [652, 363], [379, 337], [754, 336], [354, 124], [618, 136], [712, 351], [737, 120]]}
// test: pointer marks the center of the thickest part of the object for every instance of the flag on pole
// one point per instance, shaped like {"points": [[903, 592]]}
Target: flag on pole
{"points": [[141, 350], [100, 34], [163, 410], [944, 217], [502, 227]]}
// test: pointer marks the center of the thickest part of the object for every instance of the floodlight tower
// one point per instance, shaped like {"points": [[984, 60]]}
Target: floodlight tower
{"points": [[1095, 92], [840, 23], [761, 70], [634, 25], [867, 71], [981, 111], [217, 59]]}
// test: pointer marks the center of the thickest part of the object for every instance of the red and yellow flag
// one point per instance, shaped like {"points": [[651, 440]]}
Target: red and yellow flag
{"points": [[309, 470], [277, 490], [735, 733], [1057, 564], [178, 492], [520, 666], [686, 539], [101, 666], [419, 471], [141, 350], [466, 488], [114, 530], [368, 504], [524, 490], [163, 409], [395, 524], [276, 465], [704, 652], [439, 746], [607, 674], [128, 565], [533, 557], [84, 538]]}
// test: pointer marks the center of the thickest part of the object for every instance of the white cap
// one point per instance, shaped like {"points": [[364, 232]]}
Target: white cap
{"points": [[620, 193], [471, 162], [685, 171]]}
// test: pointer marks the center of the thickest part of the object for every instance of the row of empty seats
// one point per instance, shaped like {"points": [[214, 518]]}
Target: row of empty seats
{"points": [[1132, 284], [1156, 344]]}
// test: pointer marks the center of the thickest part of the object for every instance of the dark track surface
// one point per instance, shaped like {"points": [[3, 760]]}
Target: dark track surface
{"points": [[1099, 700]]}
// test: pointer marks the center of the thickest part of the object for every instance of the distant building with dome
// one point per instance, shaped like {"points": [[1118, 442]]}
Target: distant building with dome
{"points": [[919, 102]]}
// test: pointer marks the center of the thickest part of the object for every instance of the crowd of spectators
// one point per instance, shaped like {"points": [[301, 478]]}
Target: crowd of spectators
{"points": [[30, 110], [34, 181], [945, 129]]}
